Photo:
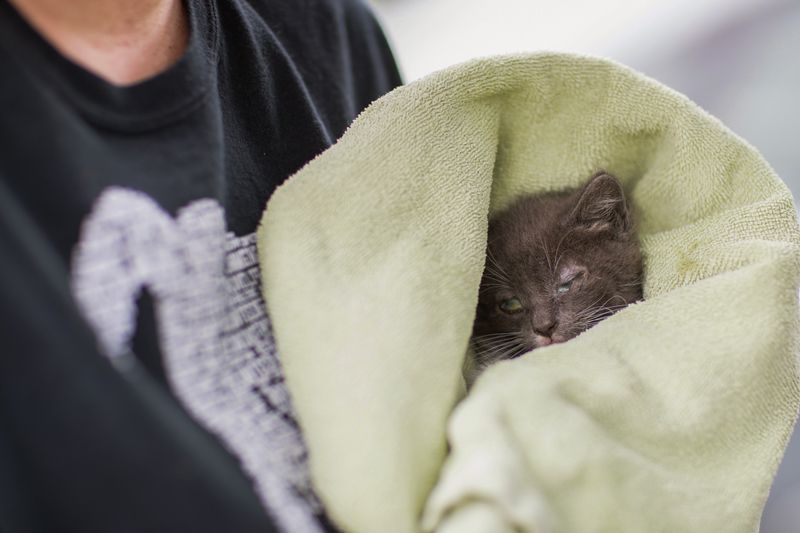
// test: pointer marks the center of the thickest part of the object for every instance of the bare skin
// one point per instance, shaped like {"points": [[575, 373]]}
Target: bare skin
{"points": [[121, 41]]}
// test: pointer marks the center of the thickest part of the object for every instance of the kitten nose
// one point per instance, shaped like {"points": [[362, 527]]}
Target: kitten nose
{"points": [[545, 327]]}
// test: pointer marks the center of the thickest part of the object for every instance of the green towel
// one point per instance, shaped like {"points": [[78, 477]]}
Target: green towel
{"points": [[670, 416]]}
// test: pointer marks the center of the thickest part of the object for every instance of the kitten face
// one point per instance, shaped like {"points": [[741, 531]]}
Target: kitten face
{"points": [[556, 265]]}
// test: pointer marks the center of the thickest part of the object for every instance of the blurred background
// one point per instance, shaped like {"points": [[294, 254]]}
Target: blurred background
{"points": [[738, 59]]}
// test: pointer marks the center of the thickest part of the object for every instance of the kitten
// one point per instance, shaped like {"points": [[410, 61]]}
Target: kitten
{"points": [[556, 265]]}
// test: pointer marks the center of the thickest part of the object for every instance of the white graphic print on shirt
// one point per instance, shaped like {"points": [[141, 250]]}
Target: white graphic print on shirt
{"points": [[214, 333]]}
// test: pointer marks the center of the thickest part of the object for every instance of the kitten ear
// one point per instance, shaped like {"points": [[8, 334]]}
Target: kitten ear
{"points": [[601, 205]]}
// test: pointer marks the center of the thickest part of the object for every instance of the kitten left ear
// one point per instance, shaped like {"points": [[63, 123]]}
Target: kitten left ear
{"points": [[601, 205]]}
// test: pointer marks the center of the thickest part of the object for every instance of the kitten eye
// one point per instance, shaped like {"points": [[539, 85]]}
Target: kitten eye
{"points": [[572, 275], [511, 306]]}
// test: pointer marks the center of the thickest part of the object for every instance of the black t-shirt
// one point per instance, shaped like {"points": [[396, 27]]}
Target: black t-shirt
{"points": [[139, 386]]}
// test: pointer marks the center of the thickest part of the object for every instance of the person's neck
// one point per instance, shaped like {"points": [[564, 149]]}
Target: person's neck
{"points": [[122, 41]]}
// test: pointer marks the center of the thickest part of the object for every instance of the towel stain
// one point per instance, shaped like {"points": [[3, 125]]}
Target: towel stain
{"points": [[688, 266]]}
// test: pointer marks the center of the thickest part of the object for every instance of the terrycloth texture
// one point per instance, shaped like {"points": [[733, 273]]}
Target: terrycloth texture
{"points": [[670, 416]]}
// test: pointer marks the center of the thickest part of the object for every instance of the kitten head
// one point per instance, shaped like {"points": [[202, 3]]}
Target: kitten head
{"points": [[556, 264]]}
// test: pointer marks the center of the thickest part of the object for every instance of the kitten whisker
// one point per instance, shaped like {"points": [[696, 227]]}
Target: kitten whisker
{"points": [[487, 289], [601, 309], [594, 304], [491, 273], [592, 315], [497, 355], [495, 283], [498, 334], [590, 306], [588, 314], [624, 301], [546, 254], [635, 283], [494, 346], [489, 346], [497, 266], [491, 276]]}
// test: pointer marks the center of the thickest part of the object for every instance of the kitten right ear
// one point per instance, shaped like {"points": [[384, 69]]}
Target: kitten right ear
{"points": [[601, 205]]}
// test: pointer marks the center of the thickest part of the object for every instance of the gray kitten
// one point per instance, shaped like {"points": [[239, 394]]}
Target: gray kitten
{"points": [[556, 265]]}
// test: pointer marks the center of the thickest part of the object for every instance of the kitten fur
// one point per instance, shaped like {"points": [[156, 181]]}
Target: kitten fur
{"points": [[556, 264]]}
